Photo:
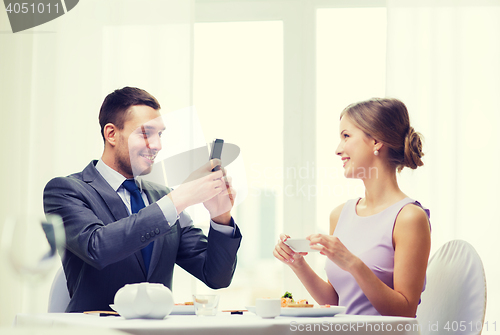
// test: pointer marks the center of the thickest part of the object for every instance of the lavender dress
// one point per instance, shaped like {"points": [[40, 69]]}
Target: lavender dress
{"points": [[370, 239]]}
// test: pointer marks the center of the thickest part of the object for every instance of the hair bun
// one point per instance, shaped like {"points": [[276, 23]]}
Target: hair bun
{"points": [[413, 149]]}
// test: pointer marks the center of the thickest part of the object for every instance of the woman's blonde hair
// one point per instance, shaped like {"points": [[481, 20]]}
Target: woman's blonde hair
{"points": [[387, 121]]}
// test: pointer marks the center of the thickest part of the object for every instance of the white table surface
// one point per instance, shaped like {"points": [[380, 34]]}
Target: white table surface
{"points": [[227, 324]]}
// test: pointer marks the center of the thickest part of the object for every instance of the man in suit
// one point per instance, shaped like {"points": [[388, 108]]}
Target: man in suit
{"points": [[111, 240]]}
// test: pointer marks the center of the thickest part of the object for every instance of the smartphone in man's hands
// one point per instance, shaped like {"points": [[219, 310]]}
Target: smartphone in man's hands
{"points": [[216, 152]]}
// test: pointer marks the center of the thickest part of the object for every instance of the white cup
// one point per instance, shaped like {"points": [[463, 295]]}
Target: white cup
{"points": [[268, 308]]}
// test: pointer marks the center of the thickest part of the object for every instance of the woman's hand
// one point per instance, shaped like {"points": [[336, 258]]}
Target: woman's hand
{"points": [[331, 247], [285, 254]]}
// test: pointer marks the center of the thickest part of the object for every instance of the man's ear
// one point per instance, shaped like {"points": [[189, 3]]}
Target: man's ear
{"points": [[110, 134]]}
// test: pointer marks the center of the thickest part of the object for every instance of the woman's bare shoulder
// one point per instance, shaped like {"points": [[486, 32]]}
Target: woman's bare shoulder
{"points": [[412, 214], [412, 221]]}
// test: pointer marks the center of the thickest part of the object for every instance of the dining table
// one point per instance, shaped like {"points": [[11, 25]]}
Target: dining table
{"points": [[224, 323]]}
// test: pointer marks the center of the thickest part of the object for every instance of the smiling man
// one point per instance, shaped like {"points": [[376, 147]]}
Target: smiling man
{"points": [[121, 230]]}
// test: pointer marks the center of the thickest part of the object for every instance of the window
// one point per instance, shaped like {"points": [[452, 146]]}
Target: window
{"points": [[350, 62], [238, 95], [280, 72]]}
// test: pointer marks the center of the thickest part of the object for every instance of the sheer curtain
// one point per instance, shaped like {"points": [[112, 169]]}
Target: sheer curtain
{"points": [[53, 79], [443, 61]]}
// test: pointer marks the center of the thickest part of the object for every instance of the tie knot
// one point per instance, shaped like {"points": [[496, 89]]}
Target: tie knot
{"points": [[130, 185]]}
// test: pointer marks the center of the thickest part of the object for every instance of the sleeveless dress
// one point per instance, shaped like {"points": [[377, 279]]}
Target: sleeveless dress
{"points": [[370, 239]]}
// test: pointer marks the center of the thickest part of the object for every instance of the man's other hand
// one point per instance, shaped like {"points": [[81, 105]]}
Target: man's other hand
{"points": [[213, 189]]}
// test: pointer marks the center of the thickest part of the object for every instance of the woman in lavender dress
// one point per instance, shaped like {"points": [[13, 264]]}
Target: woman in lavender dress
{"points": [[378, 246]]}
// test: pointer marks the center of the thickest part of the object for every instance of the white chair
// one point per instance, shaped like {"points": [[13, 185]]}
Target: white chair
{"points": [[59, 295], [454, 300]]}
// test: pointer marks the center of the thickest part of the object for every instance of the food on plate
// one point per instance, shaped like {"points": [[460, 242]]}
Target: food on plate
{"points": [[301, 305], [187, 303], [287, 301]]}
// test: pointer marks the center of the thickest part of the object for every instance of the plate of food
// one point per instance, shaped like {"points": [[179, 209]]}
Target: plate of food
{"points": [[186, 308], [316, 311], [299, 245], [290, 307]]}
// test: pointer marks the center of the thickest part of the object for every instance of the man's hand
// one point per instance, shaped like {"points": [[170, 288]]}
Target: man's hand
{"points": [[201, 186], [220, 205]]}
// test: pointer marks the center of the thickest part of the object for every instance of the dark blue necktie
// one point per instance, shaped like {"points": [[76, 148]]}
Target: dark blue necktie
{"points": [[137, 203]]}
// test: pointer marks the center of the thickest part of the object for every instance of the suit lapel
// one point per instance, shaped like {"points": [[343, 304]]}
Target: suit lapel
{"points": [[115, 204], [108, 195]]}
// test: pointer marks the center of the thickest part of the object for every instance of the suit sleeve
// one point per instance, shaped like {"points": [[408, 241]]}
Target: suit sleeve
{"points": [[99, 240], [212, 260]]}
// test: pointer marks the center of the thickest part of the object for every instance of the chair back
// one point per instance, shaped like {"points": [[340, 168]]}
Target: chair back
{"points": [[59, 295], [454, 300]]}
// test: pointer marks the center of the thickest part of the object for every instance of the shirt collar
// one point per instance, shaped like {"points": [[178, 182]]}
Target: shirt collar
{"points": [[114, 178]]}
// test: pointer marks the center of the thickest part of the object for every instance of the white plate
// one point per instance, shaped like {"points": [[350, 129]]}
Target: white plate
{"points": [[299, 245], [183, 310], [177, 310], [250, 309], [312, 311], [307, 311]]}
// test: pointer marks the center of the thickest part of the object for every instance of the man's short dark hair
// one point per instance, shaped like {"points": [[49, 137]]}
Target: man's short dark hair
{"points": [[115, 107]]}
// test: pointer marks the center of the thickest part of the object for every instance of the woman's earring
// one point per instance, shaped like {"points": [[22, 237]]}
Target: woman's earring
{"points": [[375, 152]]}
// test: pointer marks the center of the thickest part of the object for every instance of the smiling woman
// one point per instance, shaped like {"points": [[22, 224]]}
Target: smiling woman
{"points": [[378, 246]]}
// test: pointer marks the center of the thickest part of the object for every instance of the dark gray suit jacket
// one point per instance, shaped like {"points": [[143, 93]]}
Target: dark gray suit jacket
{"points": [[103, 243]]}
